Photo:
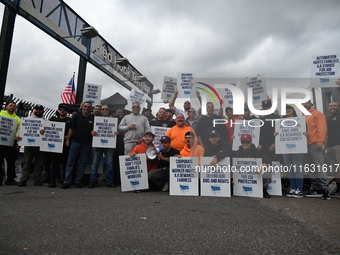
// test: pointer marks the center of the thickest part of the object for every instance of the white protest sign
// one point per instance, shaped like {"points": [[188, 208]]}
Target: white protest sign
{"points": [[274, 188], [18, 168], [291, 139], [30, 132], [8, 127], [226, 94], [105, 137], [325, 71], [53, 138], [259, 88], [133, 172], [92, 93], [247, 183], [183, 176], [215, 180], [184, 84], [136, 96], [169, 88], [251, 127], [158, 132]]}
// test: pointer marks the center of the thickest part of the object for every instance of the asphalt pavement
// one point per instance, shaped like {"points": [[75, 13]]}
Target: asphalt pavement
{"points": [[42, 220]]}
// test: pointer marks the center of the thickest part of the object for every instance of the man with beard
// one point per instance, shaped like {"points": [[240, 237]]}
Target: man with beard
{"points": [[186, 106], [9, 152], [161, 121], [141, 148], [31, 153]]}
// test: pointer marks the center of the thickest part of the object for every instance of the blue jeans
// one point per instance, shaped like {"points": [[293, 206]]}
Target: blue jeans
{"points": [[97, 155], [295, 175], [81, 150]]}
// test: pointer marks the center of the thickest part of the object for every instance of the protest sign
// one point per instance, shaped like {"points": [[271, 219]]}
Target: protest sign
{"points": [[325, 71], [8, 127], [290, 139], [274, 188], [251, 127], [215, 180], [183, 176], [92, 93], [133, 172], [136, 96], [105, 137], [169, 88], [259, 88], [53, 138], [247, 183], [30, 132], [184, 84], [158, 132], [225, 94]]}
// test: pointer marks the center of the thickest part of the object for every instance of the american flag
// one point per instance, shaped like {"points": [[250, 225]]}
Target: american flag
{"points": [[69, 94]]}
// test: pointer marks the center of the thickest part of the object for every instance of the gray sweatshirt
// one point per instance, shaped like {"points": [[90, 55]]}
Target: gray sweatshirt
{"points": [[132, 135]]}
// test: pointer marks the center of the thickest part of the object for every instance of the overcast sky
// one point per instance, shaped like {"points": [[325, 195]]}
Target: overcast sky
{"points": [[216, 38]]}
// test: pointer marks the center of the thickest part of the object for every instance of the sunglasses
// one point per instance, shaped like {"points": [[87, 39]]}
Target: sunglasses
{"points": [[135, 107], [245, 141], [105, 109], [63, 110]]}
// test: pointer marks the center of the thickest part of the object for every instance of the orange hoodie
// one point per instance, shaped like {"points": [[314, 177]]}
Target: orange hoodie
{"points": [[316, 127]]}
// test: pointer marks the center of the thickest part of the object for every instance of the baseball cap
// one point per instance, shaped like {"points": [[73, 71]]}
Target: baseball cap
{"points": [[246, 137], [64, 106], [266, 103], [165, 139], [214, 133], [149, 133], [39, 106]]}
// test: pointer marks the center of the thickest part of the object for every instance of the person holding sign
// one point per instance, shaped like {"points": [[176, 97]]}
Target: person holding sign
{"points": [[9, 152], [141, 148], [31, 153], [192, 148], [159, 178], [248, 150], [317, 135], [134, 127], [80, 132], [217, 148], [186, 105], [295, 175]]}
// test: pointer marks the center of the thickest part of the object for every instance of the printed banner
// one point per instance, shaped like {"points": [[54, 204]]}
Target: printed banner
{"points": [[8, 128], [105, 137], [325, 71], [184, 84], [53, 138], [183, 176], [247, 183], [136, 96], [169, 88], [215, 180], [251, 127], [275, 188], [30, 132], [133, 172], [259, 88], [291, 139], [92, 93], [158, 132]]}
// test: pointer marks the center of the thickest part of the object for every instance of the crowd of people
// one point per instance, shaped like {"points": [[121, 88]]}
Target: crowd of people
{"points": [[189, 134]]}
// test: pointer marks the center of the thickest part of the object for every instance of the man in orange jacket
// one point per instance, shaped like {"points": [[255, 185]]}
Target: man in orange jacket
{"points": [[317, 134]]}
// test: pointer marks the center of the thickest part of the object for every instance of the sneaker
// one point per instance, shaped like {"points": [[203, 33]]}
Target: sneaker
{"points": [[166, 187], [336, 193], [265, 194], [65, 186], [22, 184], [297, 194], [325, 195], [290, 193], [314, 193]]}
